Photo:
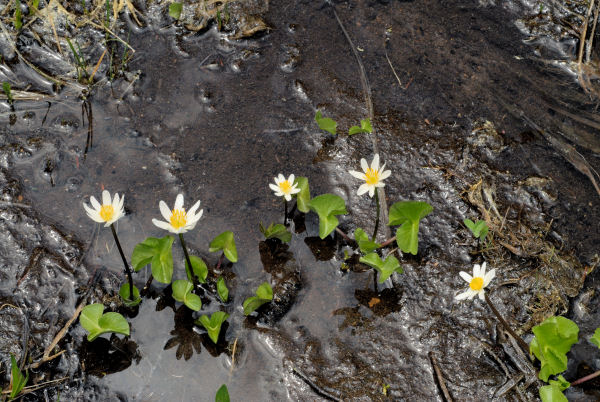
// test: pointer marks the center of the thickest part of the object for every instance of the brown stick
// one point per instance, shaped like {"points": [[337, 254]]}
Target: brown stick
{"points": [[520, 340], [440, 377], [586, 378]]}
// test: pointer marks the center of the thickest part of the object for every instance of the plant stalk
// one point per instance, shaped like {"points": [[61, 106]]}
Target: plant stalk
{"points": [[586, 378], [388, 242], [187, 259], [285, 212], [127, 269], [519, 340], [377, 216]]}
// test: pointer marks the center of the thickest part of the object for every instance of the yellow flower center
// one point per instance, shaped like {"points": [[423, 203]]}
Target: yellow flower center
{"points": [[372, 176], [285, 187], [178, 218], [107, 212], [476, 283]]}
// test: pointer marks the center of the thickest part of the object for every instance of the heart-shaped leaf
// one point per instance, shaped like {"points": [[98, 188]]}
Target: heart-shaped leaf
{"points": [[364, 243], [327, 206], [199, 267], [222, 290], [182, 292], [226, 243], [408, 214], [158, 253], [213, 324], [277, 231], [325, 123], [365, 127], [385, 268], [479, 229], [96, 323], [264, 294], [303, 197], [553, 339], [127, 299]]}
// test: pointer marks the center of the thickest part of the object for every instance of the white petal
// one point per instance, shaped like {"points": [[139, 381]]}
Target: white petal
{"points": [[371, 191], [121, 204], [465, 295], [164, 210], [364, 165], [488, 277], [193, 209], [280, 178], [106, 198], [363, 189], [163, 225], [380, 184], [178, 201], [287, 197], [190, 226], [195, 218], [358, 175], [115, 201], [375, 163], [482, 273], [274, 187], [295, 190], [465, 276], [481, 294], [93, 214], [291, 179], [95, 204], [385, 174], [476, 270]]}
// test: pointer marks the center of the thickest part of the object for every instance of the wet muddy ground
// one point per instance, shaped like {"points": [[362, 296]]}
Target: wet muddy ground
{"points": [[459, 93]]}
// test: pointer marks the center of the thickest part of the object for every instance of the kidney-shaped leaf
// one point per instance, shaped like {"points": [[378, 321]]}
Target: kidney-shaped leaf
{"points": [[182, 292], [213, 324], [408, 214], [325, 123], [553, 339], [157, 252], [264, 294], [327, 206], [226, 243], [96, 323]]}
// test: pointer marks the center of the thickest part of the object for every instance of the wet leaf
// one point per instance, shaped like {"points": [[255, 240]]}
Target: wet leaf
{"points": [[199, 267], [595, 339], [226, 243], [553, 392], [264, 294], [479, 229], [365, 127], [277, 231], [213, 324], [96, 323], [364, 243], [17, 379], [325, 123], [158, 253], [18, 17], [408, 214], [175, 10], [222, 394], [303, 197], [127, 299], [385, 268], [182, 292], [222, 289], [327, 206], [553, 339]]}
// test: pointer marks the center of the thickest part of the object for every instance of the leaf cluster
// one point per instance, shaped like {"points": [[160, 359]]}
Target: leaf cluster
{"points": [[479, 229], [385, 267], [96, 323]]}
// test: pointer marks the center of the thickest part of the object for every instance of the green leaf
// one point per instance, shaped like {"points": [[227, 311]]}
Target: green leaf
{"points": [[125, 296], [222, 394], [479, 229], [327, 206], [385, 268], [175, 10], [553, 392], [96, 323], [7, 91], [199, 267], [595, 339], [18, 18], [17, 379], [325, 123], [264, 294], [158, 253], [222, 290], [182, 292], [277, 231], [365, 127], [553, 339], [408, 214], [226, 243], [303, 197], [213, 325], [364, 243]]}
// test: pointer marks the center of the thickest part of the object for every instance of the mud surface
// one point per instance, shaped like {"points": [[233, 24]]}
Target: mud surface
{"points": [[460, 94]]}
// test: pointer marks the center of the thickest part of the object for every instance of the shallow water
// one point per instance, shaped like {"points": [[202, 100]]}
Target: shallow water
{"points": [[216, 119]]}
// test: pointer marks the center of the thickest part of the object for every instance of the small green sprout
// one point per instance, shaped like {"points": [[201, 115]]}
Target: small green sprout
{"points": [[18, 16], [80, 63], [158, 253], [199, 269], [17, 379], [175, 10], [479, 229], [128, 301], [408, 214], [264, 294], [96, 323], [327, 206], [222, 394], [365, 244], [222, 290], [303, 197], [365, 127], [276, 231], [182, 292], [213, 324], [554, 391], [7, 91], [385, 268], [226, 243], [325, 123], [384, 389]]}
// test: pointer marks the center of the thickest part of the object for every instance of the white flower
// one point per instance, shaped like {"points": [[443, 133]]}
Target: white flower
{"points": [[373, 176], [177, 220], [284, 188], [109, 212], [477, 282]]}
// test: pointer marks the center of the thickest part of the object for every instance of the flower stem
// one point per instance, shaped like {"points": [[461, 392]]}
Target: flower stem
{"points": [[519, 340], [586, 378], [187, 259], [285, 212], [127, 270], [377, 216]]}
